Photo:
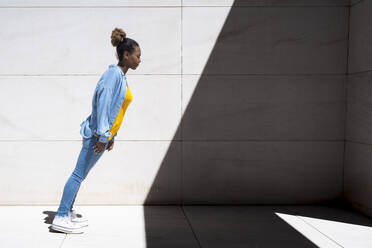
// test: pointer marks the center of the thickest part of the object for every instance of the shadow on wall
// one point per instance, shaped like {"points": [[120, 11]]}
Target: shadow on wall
{"points": [[264, 123]]}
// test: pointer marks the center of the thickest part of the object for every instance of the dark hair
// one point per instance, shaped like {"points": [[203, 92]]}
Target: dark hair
{"points": [[122, 43]]}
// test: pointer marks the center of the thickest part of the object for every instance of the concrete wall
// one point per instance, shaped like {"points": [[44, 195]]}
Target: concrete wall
{"points": [[234, 102], [358, 154]]}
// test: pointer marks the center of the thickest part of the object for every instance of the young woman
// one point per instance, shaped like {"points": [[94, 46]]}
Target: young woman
{"points": [[110, 101]]}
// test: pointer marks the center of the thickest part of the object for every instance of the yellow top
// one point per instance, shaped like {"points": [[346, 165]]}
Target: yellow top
{"points": [[119, 119]]}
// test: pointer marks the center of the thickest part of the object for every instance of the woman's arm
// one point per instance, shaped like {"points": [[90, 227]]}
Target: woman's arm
{"points": [[104, 96]]}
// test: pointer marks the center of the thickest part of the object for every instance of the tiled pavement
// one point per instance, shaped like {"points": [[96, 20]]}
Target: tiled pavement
{"points": [[190, 226]]}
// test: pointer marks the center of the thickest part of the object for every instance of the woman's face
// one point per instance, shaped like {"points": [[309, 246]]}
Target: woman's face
{"points": [[134, 58]]}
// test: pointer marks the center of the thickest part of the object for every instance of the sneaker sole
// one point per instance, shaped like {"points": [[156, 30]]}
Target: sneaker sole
{"points": [[65, 230]]}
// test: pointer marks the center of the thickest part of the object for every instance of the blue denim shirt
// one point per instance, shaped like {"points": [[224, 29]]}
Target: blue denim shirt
{"points": [[107, 100]]}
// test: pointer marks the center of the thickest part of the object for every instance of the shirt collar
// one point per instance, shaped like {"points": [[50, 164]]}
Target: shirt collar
{"points": [[121, 72]]}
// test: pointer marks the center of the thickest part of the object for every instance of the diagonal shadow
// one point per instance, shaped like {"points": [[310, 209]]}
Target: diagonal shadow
{"points": [[264, 125]]}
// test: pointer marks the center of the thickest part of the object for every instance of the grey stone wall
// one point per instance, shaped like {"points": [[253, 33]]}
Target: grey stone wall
{"points": [[234, 102], [358, 153]]}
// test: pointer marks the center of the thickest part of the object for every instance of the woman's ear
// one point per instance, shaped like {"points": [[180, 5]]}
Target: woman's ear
{"points": [[126, 55]]}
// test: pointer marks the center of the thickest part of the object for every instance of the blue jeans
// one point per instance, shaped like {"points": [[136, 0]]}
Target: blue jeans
{"points": [[87, 159]]}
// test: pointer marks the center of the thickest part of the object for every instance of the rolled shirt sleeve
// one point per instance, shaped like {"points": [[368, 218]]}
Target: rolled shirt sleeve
{"points": [[103, 111]]}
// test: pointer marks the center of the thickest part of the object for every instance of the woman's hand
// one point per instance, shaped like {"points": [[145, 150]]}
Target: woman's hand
{"points": [[110, 145], [99, 147]]}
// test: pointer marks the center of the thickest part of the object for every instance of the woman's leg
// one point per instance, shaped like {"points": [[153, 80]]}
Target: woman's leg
{"points": [[92, 160], [73, 201], [87, 159]]}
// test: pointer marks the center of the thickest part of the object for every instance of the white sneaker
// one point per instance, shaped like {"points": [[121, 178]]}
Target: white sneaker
{"points": [[81, 221], [64, 224]]}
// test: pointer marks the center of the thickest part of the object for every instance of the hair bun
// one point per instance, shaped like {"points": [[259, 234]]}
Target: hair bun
{"points": [[117, 36]]}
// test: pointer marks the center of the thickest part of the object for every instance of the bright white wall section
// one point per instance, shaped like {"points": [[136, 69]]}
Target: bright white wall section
{"points": [[53, 54], [89, 3], [77, 40], [52, 107]]}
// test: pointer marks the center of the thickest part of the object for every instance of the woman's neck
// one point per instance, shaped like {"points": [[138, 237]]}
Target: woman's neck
{"points": [[123, 68]]}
